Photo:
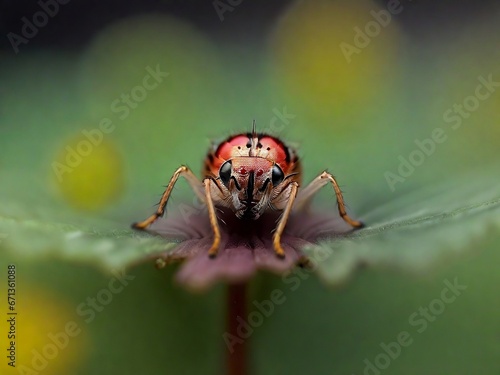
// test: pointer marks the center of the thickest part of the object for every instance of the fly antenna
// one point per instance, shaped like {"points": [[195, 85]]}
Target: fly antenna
{"points": [[254, 129]]}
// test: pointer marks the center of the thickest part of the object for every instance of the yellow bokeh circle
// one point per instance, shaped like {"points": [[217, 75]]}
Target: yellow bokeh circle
{"points": [[335, 58], [47, 336], [89, 170]]}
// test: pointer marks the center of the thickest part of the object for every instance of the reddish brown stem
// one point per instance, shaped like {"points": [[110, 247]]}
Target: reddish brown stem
{"points": [[236, 306]]}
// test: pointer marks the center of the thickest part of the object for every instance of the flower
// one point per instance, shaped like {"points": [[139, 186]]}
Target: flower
{"points": [[246, 245]]}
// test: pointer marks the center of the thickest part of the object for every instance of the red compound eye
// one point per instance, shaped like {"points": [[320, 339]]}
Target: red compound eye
{"points": [[226, 149], [277, 150], [260, 172]]}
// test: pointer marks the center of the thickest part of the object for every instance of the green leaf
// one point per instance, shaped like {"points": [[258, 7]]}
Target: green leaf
{"points": [[93, 240], [417, 231], [414, 233]]}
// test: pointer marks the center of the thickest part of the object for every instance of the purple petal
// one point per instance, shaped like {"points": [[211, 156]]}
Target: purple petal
{"points": [[246, 245]]}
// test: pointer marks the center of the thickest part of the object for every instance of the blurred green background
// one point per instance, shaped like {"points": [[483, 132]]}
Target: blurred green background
{"points": [[221, 66]]}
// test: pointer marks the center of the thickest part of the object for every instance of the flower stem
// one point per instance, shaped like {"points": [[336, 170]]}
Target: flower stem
{"points": [[236, 306]]}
